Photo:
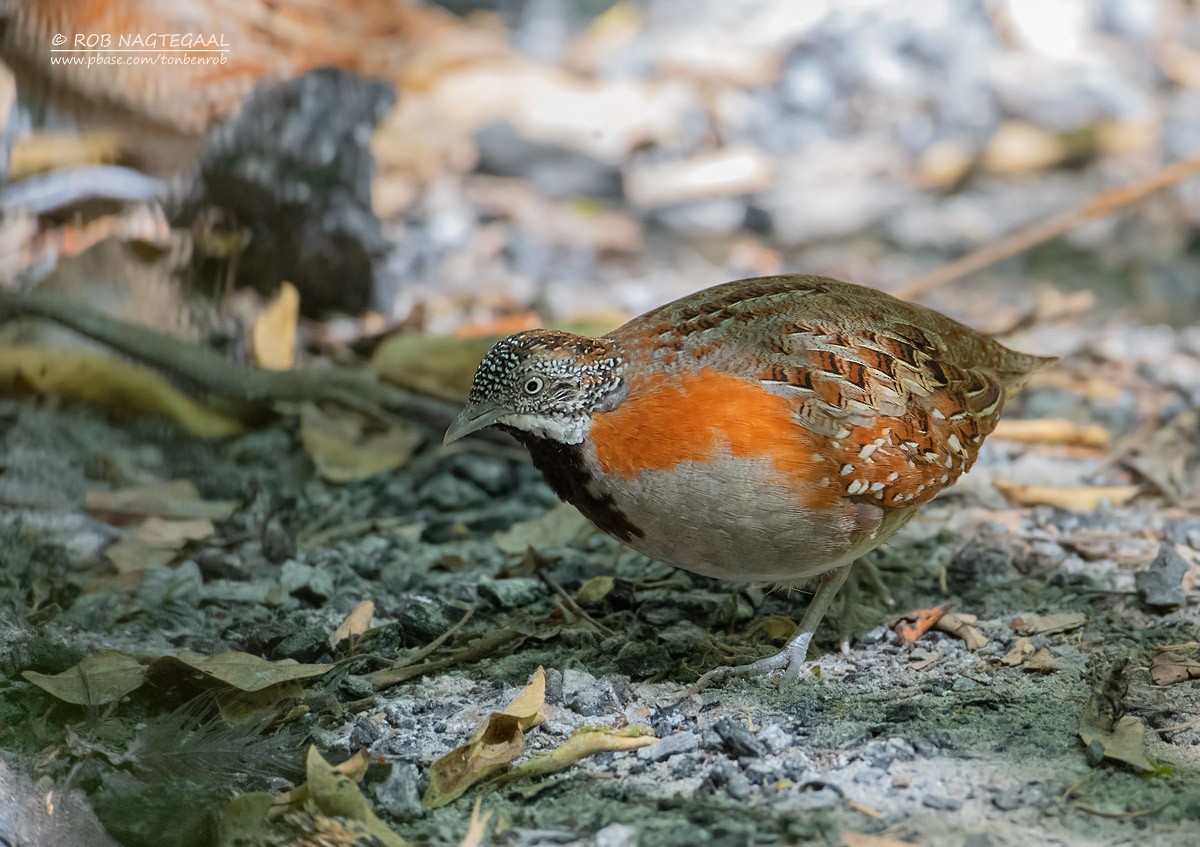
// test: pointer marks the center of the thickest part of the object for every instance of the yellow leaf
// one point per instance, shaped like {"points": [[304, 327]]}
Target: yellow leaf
{"points": [[274, 333], [345, 446], [595, 589], [558, 527], [334, 794], [583, 742], [1076, 499], [110, 383]]}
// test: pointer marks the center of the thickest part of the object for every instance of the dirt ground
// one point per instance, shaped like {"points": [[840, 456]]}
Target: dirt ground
{"points": [[937, 742]]}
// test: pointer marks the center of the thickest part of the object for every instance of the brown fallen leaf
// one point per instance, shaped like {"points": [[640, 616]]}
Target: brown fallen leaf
{"points": [[496, 744], [1021, 650], [918, 622], [345, 446], [584, 742], [1048, 624], [110, 383], [963, 626], [242, 671], [273, 336], [1171, 668], [558, 527], [355, 624], [178, 500], [241, 707], [1073, 499], [1124, 741], [97, 680], [1041, 662], [155, 543], [1052, 431]]}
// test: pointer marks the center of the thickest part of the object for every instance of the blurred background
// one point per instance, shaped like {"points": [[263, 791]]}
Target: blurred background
{"points": [[480, 167]]}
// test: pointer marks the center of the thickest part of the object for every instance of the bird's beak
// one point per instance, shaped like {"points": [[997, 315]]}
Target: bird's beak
{"points": [[472, 419]]}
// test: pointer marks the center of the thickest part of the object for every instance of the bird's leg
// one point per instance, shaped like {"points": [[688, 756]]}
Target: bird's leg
{"points": [[793, 657], [874, 581]]}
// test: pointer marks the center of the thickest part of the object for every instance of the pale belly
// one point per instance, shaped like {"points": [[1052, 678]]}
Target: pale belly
{"points": [[732, 519]]}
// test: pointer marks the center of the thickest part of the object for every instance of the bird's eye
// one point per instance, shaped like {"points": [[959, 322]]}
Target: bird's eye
{"points": [[533, 385]]}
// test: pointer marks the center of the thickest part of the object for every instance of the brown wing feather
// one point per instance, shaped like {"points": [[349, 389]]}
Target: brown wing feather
{"points": [[904, 395]]}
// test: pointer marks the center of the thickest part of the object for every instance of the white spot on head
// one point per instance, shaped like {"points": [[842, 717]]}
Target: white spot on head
{"points": [[954, 443], [893, 476], [877, 486], [847, 469], [867, 450]]}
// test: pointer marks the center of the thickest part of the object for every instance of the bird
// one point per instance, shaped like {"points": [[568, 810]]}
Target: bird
{"points": [[769, 430]]}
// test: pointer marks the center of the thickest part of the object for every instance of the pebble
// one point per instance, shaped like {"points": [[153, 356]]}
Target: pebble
{"points": [[739, 741], [680, 742], [941, 803], [617, 835], [297, 577], [449, 493]]}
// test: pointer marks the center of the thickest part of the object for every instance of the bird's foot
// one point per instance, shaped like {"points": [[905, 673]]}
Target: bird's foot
{"points": [[791, 660]]}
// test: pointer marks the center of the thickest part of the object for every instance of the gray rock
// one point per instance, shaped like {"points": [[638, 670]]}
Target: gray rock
{"points": [[398, 795], [587, 695], [296, 577], [680, 742], [1161, 583], [739, 741], [449, 493], [941, 803], [514, 593], [617, 835]]}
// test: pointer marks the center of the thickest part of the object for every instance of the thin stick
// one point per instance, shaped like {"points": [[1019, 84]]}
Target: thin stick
{"points": [[571, 605], [1031, 236]]}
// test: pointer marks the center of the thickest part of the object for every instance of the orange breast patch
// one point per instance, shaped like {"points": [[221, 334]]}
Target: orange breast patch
{"points": [[668, 419]]}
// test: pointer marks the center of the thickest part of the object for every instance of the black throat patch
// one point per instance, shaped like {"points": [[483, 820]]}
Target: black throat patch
{"points": [[562, 467]]}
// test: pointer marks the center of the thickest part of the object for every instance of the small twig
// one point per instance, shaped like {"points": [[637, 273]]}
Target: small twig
{"points": [[1121, 816], [324, 536], [1031, 236], [426, 651], [489, 643], [1194, 723], [573, 607]]}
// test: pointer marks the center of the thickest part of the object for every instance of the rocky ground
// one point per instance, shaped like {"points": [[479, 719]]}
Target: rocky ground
{"points": [[1055, 703], [945, 741]]}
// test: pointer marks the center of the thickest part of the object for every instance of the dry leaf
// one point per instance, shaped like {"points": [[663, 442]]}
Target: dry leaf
{"points": [[584, 742], [332, 793], [155, 542], [345, 446], [595, 589], [1021, 651], [1052, 431], [1170, 668], [242, 671], [177, 500], [355, 624], [439, 366], [964, 627], [1048, 624], [274, 334], [1082, 499], [97, 680], [1041, 662], [1124, 742], [497, 743], [110, 383], [558, 527]]}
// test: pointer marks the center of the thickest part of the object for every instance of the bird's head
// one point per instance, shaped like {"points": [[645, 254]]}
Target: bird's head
{"points": [[542, 382]]}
